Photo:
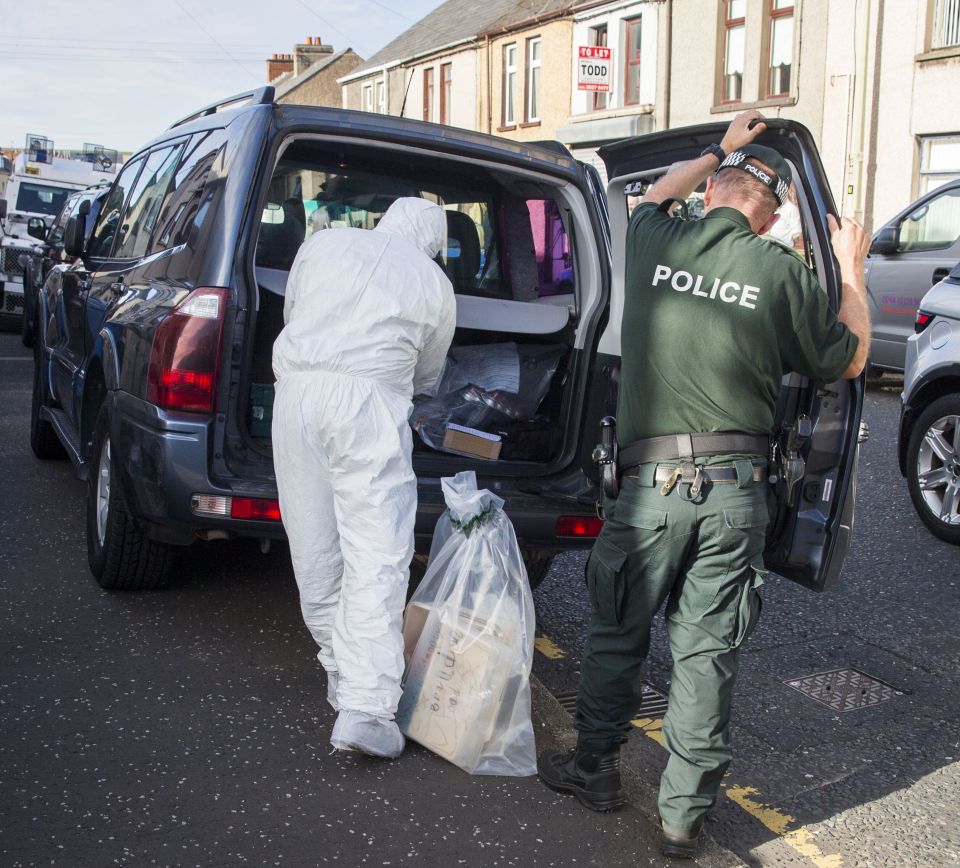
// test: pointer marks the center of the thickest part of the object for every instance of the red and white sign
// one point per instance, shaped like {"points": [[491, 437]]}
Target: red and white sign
{"points": [[594, 67]]}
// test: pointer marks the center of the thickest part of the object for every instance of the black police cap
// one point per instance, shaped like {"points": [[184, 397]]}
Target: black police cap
{"points": [[778, 182]]}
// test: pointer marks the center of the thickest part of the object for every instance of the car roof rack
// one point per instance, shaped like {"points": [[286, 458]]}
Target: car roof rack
{"points": [[260, 96]]}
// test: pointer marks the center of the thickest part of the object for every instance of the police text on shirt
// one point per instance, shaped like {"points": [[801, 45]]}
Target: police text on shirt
{"points": [[728, 291]]}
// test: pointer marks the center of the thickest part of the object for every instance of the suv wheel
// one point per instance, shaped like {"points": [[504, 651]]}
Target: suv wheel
{"points": [[538, 565], [121, 556], [933, 467], [43, 438]]}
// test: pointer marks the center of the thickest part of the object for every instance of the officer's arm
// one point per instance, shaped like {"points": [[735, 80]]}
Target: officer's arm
{"points": [[684, 178], [681, 180], [850, 244]]}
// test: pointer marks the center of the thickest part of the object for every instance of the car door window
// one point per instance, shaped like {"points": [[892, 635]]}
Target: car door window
{"points": [[146, 197], [105, 232], [934, 225], [183, 206]]}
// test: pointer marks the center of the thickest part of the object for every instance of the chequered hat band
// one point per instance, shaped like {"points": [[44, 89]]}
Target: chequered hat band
{"points": [[738, 160]]}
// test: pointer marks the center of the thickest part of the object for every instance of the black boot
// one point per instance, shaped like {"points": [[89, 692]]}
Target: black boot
{"points": [[679, 844], [592, 776]]}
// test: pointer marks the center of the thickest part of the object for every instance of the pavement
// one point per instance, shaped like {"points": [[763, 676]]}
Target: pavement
{"points": [[189, 726]]}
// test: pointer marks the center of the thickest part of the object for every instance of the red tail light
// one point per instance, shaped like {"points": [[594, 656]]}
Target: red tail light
{"points": [[922, 321], [185, 358], [255, 508], [575, 525]]}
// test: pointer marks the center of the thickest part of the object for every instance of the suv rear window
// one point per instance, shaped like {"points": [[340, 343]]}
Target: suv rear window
{"points": [[504, 239]]}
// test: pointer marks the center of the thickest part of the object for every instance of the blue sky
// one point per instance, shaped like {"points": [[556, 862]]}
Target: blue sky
{"points": [[117, 72]]}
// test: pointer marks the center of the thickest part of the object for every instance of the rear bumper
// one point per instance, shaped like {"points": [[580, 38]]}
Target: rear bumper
{"points": [[164, 460]]}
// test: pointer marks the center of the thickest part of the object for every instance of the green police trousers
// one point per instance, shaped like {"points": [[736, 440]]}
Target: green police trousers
{"points": [[705, 558]]}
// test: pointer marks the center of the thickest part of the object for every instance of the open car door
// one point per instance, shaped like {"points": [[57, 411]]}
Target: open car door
{"points": [[817, 425]]}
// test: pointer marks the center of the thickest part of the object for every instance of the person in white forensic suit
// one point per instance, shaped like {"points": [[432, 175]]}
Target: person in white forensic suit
{"points": [[368, 319]]}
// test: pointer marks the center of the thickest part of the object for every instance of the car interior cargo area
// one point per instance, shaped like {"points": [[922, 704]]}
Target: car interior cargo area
{"points": [[504, 394]]}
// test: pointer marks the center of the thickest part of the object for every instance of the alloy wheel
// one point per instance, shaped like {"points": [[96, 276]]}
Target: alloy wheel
{"points": [[938, 469], [103, 491]]}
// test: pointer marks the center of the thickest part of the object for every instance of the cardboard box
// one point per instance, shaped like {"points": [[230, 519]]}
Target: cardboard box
{"points": [[455, 683], [471, 442]]}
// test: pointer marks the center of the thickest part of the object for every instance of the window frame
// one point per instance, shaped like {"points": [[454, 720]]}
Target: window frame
{"points": [[938, 30], [599, 38], [509, 87], [772, 15], [428, 88], [629, 61], [531, 88], [446, 91], [366, 97], [728, 24], [380, 95]]}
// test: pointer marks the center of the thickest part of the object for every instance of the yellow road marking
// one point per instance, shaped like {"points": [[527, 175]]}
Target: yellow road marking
{"points": [[548, 649], [651, 727], [800, 839]]}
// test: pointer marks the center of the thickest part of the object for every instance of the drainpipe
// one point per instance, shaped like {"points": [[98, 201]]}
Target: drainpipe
{"points": [[860, 112], [871, 183], [489, 77], [668, 28]]}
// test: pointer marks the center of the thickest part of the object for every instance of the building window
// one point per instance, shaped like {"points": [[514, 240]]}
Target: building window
{"points": [[733, 50], [598, 37], [631, 64], [781, 47], [446, 90], [532, 109], [382, 97], [510, 84], [946, 24], [939, 161], [428, 94], [368, 97]]}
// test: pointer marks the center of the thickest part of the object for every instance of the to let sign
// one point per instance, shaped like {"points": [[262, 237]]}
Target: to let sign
{"points": [[593, 68]]}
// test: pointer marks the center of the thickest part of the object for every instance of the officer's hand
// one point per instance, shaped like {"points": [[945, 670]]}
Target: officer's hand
{"points": [[849, 240], [739, 132]]}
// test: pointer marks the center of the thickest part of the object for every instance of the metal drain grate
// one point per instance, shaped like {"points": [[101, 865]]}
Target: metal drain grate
{"points": [[653, 704], [844, 689]]}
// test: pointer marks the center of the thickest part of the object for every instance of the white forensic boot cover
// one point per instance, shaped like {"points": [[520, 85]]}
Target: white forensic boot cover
{"points": [[369, 318]]}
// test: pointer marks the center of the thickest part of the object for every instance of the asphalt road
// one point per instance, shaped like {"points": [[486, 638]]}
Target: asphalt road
{"points": [[189, 727]]}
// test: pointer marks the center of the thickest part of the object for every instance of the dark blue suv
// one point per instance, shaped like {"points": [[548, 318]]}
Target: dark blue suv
{"points": [[153, 352]]}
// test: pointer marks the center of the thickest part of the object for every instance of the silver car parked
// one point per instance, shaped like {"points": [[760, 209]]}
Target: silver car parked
{"points": [[908, 255], [929, 441]]}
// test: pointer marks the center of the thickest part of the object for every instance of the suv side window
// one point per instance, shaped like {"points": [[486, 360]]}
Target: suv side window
{"points": [[181, 208], [933, 226], [104, 233], [69, 210], [140, 215]]}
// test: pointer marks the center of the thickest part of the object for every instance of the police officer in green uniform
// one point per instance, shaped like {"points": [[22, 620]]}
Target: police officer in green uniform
{"points": [[714, 316]]}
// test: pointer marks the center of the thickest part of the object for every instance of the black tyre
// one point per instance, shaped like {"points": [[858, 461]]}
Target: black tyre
{"points": [[933, 467], [43, 438], [121, 556], [29, 306], [538, 565]]}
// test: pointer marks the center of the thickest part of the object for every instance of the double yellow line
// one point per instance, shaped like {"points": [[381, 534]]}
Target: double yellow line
{"points": [[784, 826]]}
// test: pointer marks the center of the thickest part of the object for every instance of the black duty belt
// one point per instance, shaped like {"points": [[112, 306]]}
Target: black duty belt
{"points": [[687, 447]]}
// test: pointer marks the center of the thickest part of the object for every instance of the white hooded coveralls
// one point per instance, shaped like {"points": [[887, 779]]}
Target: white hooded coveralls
{"points": [[368, 321]]}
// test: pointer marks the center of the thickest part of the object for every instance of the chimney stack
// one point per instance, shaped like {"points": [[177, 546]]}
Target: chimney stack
{"points": [[309, 52], [278, 65]]}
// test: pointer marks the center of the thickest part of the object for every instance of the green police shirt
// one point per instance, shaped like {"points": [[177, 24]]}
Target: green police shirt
{"points": [[714, 316]]}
